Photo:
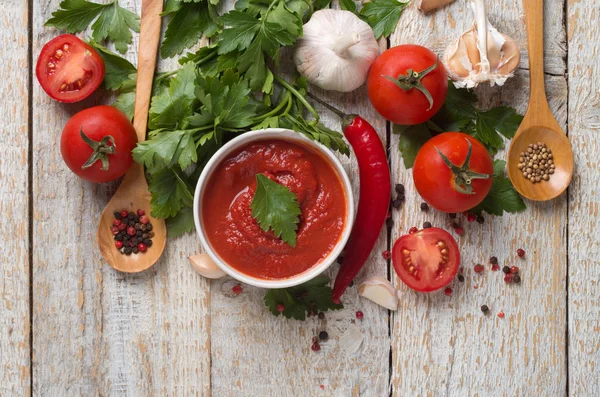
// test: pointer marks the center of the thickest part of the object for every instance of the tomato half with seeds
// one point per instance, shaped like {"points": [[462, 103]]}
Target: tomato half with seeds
{"points": [[68, 69], [426, 260]]}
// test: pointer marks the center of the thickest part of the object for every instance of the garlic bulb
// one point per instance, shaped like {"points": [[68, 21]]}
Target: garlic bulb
{"points": [[379, 290], [336, 50], [204, 265], [429, 5], [481, 53]]}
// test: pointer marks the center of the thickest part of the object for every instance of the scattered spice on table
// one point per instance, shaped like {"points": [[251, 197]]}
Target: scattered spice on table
{"points": [[359, 315], [480, 219], [321, 315], [323, 335], [412, 230], [485, 308], [132, 232], [426, 225], [471, 217], [521, 252], [448, 291], [506, 270], [237, 289], [424, 207], [316, 347], [459, 230], [501, 314], [461, 278], [537, 162], [516, 279], [478, 268], [386, 255]]}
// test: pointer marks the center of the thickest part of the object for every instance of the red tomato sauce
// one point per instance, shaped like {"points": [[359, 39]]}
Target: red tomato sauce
{"points": [[236, 236]]}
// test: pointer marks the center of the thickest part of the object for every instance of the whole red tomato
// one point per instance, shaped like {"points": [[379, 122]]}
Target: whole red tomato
{"points": [[96, 144], [407, 84], [69, 69], [453, 172]]}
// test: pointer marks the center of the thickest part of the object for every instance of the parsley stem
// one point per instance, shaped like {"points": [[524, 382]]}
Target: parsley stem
{"points": [[284, 102], [298, 95]]}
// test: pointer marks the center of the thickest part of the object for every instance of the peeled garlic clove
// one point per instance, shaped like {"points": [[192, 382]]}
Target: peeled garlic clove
{"points": [[336, 50], [352, 339], [204, 265], [429, 5], [379, 290], [481, 53]]}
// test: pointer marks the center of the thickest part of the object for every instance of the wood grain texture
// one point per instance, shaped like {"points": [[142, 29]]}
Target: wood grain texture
{"points": [[445, 345], [98, 331], [583, 27], [14, 201]]}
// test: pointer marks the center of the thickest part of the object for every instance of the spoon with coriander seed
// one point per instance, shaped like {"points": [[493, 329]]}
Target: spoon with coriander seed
{"points": [[129, 238], [540, 158]]}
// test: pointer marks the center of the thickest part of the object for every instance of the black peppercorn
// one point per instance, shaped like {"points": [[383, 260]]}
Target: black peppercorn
{"points": [[119, 237], [516, 279], [389, 222], [117, 215], [506, 270], [139, 233], [461, 278], [452, 215], [143, 227], [148, 243], [397, 203], [145, 236], [149, 227], [321, 315], [485, 308], [399, 189], [480, 219], [127, 250], [426, 225], [131, 223], [135, 250], [323, 335], [424, 207], [494, 260]]}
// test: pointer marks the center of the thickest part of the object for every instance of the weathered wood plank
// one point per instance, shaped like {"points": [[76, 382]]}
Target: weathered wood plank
{"points": [[14, 203], [98, 331], [445, 345], [583, 27], [257, 354]]}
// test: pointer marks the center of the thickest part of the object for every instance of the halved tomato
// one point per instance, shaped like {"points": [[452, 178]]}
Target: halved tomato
{"points": [[426, 260], [68, 69]]}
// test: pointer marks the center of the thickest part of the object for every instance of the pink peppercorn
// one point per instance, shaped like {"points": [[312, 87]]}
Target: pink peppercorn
{"points": [[131, 231], [237, 289], [144, 219], [459, 230], [386, 254], [359, 315], [495, 267], [508, 278], [280, 307], [448, 291], [316, 347], [471, 217], [478, 268], [412, 230], [521, 252], [119, 244], [141, 212], [514, 269], [501, 314]]}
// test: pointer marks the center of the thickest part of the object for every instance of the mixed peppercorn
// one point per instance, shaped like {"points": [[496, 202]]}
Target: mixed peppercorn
{"points": [[132, 232]]}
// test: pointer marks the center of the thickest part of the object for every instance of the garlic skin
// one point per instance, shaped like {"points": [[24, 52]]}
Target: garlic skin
{"points": [[379, 290], [204, 265], [336, 50], [481, 54], [430, 5]]}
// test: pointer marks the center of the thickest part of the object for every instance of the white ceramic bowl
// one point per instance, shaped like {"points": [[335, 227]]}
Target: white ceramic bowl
{"points": [[268, 134]]}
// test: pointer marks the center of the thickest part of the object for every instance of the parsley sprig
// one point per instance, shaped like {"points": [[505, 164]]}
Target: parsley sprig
{"points": [[113, 22], [311, 297], [276, 208]]}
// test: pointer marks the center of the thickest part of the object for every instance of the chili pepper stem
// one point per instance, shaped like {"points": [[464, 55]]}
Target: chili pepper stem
{"points": [[346, 118]]}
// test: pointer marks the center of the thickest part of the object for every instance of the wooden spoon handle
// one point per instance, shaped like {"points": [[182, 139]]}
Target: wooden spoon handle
{"points": [[147, 51], [534, 16]]}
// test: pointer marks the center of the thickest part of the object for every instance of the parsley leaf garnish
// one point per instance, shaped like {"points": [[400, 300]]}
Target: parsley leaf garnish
{"points": [[311, 297], [502, 197], [276, 208], [382, 15], [119, 73], [114, 22]]}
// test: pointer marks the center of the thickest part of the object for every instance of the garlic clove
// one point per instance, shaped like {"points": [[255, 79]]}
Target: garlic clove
{"points": [[336, 50], [430, 5], [205, 266], [352, 339], [379, 290], [481, 54]]}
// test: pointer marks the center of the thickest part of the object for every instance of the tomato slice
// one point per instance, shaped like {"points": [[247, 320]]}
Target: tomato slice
{"points": [[426, 260], [68, 69]]}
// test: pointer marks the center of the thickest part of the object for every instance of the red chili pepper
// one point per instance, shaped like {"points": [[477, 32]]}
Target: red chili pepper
{"points": [[375, 193]]}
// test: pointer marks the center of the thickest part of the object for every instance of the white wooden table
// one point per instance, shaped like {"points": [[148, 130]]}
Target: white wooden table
{"points": [[72, 326]]}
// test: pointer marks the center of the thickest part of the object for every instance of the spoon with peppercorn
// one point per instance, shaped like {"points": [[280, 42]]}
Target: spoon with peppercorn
{"points": [[129, 238], [540, 158]]}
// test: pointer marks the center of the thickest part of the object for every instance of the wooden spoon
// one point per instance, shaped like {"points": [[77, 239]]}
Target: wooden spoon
{"points": [[539, 125], [133, 193]]}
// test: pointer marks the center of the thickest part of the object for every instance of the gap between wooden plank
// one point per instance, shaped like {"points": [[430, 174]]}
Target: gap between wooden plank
{"points": [[30, 181]]}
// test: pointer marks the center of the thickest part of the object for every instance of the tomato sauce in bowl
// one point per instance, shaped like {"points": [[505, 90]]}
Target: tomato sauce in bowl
{"points": [[235, 235]]}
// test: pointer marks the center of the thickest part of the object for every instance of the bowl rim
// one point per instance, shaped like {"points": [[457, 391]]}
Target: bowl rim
{"points": [[286, 135]]}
